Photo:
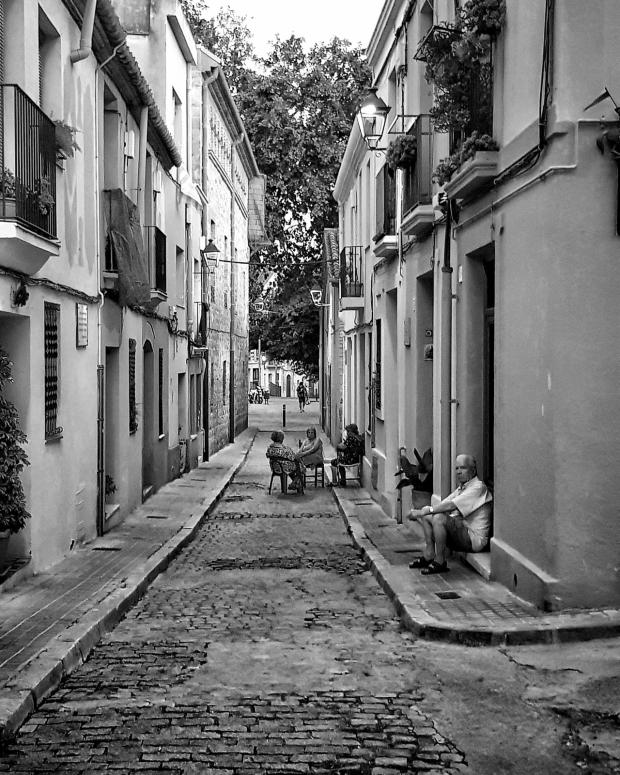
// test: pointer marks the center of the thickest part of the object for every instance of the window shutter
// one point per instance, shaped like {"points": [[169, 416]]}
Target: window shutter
{"points": [[133, 415], [52, 370]]}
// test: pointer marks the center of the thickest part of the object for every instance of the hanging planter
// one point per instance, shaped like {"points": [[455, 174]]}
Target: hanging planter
{"points": [[402, 152], [66, 144]]}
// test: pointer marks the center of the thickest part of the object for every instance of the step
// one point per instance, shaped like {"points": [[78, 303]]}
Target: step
{"points": [[478, 561]]}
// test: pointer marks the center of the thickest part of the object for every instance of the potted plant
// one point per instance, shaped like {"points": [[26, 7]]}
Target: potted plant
{"points": [[110, 487], [13, 458], [402, 152], [66, 145], [43, 195], [7, 192], [468, 149]]}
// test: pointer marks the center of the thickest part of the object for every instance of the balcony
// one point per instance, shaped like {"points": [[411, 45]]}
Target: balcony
{"points": [[27, 183], [351, 285], [418, 214], [475, 174], [386, 240]]}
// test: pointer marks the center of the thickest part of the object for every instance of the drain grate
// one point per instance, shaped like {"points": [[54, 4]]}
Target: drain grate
{"points": [[157, 516], [448, 595], [106, 548]]}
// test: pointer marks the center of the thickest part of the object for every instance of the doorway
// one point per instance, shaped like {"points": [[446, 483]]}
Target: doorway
{"points": [[148, 397]]}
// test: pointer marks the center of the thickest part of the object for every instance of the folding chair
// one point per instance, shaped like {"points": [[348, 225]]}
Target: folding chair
{"points": [[283, 469], [351, 471]]}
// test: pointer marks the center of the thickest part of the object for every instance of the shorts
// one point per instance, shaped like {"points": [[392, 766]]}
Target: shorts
{"points": [[458, 538]]}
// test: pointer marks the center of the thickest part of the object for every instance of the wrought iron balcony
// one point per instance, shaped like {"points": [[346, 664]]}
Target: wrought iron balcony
{"points": [[27, 163], [351, 277], [418, 188]]}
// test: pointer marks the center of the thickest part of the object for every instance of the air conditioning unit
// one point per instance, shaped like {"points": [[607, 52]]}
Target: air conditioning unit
{"points": [[130, 143]]}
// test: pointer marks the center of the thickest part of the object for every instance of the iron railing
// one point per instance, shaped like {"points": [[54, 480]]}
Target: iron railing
{"points": [[351, 279], [479, 106], [27, 162], [418, 188]]}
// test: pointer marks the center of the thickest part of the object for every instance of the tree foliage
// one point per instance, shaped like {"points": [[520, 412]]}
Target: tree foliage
{"points": [[298, 104]]}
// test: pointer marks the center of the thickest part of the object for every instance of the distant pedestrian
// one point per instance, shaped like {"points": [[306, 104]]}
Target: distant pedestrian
{"points": [[302, 396], [266, 396]]}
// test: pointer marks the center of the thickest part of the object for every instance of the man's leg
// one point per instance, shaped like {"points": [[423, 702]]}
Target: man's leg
{"points": [[429, 538], [440, 534]]}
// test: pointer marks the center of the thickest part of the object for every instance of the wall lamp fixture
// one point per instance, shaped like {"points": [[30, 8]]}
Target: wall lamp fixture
{"points": [[209, 253], [371, 116], [317, 298]]}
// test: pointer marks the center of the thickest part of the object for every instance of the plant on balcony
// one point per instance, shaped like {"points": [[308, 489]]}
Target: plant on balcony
{"points": [[474, 143], [458, 63], [43, 195], [66, 144], [7, 184], [13, 513], [402, 152]]}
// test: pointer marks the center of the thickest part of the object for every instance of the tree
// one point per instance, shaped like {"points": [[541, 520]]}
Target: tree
{"points": [[298, 105]]}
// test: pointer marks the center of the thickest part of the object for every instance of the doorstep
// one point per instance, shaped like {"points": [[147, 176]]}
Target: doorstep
{"points": [[478, 561]]}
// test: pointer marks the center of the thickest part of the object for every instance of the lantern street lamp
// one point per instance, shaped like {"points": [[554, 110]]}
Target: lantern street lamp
{"points": [[209, 254], [317, 297], [371, 116]]}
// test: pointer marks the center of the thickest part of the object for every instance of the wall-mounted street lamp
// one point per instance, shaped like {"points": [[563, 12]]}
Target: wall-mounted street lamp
{"points": [[371, 116], [210, 254], [317, 298]]}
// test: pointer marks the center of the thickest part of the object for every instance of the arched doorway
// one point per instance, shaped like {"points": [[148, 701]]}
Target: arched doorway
{"points": [[288, 385]]}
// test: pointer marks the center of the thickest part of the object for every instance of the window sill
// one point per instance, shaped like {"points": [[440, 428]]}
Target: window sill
{"points": [[56, 437]]}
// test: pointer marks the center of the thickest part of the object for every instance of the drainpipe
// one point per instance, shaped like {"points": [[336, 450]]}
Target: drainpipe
{"points": [[144, 123], [445, 399], [86, 38], [231, 404], [206, 398]]}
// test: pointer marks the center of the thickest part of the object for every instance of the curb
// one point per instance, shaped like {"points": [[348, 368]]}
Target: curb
{"points": [[582, 626], [39, 677]]}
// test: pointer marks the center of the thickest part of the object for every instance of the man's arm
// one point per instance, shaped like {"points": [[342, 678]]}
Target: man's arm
{"points": [[441, 508]]}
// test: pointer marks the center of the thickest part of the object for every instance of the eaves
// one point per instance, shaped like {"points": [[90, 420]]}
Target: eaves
{"points": [[122, 68], [350, 165]]}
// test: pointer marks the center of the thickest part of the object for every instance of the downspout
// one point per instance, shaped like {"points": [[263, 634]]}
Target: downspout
{"points": [[206, 408], [445, 398], [86, 37], [144, 123]]}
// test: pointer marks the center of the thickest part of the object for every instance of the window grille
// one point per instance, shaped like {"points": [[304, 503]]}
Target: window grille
{"points": [[160, 403], [224, 369], [133, 414], [212, 292], [52, 369], [225, 299]]}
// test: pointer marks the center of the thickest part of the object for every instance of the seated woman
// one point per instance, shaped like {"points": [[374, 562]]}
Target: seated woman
{"points": [[311, 451], [277, 449], [348, 452]]}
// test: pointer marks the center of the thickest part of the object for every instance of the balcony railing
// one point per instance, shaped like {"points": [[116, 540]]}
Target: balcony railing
{"points": [[200, 326], [27, 163], [479, 106], [351, 284], [418, 189]]}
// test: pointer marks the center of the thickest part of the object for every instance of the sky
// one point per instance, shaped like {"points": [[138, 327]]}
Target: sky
{"points": [[314, 20]]}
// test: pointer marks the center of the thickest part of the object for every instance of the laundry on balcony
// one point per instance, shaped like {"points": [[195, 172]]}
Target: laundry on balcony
{"points": [[125, 234]]}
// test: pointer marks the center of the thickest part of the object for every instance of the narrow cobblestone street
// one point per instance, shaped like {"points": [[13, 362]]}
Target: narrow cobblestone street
{"points": [[268, 647]]}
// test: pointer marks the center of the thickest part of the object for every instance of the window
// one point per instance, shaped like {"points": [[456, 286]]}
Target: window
{"points": [[194, 403], [160, 260], [225, 299], [213, 292], [386, 202], [133, 414], [180, 275], [160, 401], [378, 367], [224, 369], [255, 375], [52, 369]]}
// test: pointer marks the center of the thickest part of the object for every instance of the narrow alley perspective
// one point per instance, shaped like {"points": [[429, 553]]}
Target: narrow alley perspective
{"points": [[268, 646]]}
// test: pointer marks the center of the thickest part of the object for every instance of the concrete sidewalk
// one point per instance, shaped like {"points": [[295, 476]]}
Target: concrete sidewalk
{"points": [[459, 606]]}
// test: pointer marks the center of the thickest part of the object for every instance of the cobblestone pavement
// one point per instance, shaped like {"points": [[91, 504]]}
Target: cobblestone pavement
{"points": [[266, 647]]}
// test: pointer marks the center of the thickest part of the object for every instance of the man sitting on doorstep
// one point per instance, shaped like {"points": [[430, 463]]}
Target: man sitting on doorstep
{"points": [[462, 521]]}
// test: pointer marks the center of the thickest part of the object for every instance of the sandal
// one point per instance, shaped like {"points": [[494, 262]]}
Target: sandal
{"points": [[420, 562], [435, 567]]}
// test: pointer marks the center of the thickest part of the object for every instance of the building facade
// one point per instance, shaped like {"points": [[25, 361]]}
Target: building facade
{"points": [[463, 265], [104, 281]]}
